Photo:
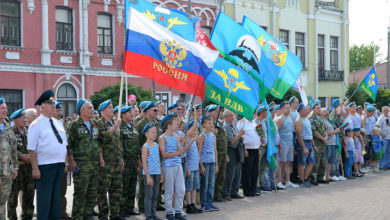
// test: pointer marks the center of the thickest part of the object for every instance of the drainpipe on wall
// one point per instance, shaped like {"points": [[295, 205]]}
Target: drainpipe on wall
{"points": [[345, 44], [81, 50]]}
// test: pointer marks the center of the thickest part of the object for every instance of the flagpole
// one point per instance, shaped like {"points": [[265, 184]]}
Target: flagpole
{"points": [[353, 93], [120, 95]]}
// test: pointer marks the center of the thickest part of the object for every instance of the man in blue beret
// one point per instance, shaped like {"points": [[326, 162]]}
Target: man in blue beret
{"points": [[294, 102], [161, 110], [139, 117], [320, 136], [356, 118], [110, 176], [150, 112], [131, 154], [84, 155], [47, 143], [24, 182], [116, 112], [175, 107]]}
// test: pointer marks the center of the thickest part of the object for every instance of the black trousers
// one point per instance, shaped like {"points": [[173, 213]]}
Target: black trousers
{"points": [[250, 172]]}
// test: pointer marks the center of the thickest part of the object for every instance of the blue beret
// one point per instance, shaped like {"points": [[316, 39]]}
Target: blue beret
{"points": [[116, 108], [2, 100], [189, 125], [166, 118], [147, 127], [58, 104], [348, 130], [351, 104], [356, 129], [173, 106], [212, 108], [366, 103], [370, 108], [81, 103], [144, 104], [126, 109], [300, 106], [271, 109], [150, 105], [329, 110], [277, 107], [283, 103], [260, 109], [104, 105], [17, 114], [344, 124], [95, 112], [291, 100], [47, 96], [204, 117], [313, 105], [158, 102], [335, 103], [198, 106]]}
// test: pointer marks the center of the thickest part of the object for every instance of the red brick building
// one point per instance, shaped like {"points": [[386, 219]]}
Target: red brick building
{"points": [[72, 47]]}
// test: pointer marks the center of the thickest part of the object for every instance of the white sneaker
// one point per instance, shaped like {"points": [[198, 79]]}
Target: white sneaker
{"points": [[341, 178], [289, 184], [280, 185], [335, 178], [183, 213]]}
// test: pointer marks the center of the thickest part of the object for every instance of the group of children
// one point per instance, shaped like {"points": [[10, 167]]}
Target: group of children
{"points": [[355, 144], [181, 177]]}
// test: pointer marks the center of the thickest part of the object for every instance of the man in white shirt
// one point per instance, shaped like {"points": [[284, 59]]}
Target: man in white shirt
{"points": [[384, 124], [47, 148]]}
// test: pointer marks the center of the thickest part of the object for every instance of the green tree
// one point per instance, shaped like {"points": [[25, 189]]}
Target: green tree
{"points": [[362, 56], [382, 97], [112, 92]]}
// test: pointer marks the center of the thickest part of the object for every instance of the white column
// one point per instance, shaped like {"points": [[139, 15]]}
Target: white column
{"points": [[86, 53], [45, 51]]}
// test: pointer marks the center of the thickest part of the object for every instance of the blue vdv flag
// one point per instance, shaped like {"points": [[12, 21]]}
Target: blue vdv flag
{"points": [[233, 88], [284, 64], [370, 84], [174, 20]]}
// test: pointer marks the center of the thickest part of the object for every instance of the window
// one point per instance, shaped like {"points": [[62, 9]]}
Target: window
{"points": [[163, 97], [207, 30], [104, 32], [10, 22], [334, 53], [321, 55], [300, 46], [13, 99], [323, 101], [64, 29], [284, 38], [67, 94]]}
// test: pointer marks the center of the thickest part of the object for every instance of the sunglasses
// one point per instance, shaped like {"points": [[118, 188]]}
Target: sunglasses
{"points": [[155, 110]]}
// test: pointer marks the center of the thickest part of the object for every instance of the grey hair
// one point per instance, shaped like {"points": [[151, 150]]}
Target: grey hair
{"points": [[226, 112], [83, 106], [30, 111]]}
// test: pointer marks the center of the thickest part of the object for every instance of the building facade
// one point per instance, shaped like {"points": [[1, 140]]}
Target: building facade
{"points": [[74, 47], [315, 30]]}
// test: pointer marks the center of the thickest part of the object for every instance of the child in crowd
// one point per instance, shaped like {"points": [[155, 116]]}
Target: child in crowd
{"points": [[377, 152], [349, 151], [151, 171], [192, 172], [171, 152], [359, 148], [208, 164]]}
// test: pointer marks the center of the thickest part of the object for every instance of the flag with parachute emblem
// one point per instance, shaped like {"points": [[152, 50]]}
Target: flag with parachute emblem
{"points": [[369, 85]]}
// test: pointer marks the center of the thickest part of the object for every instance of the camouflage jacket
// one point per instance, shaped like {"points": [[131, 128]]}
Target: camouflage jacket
{"points": [[21, 142], [318, 126], [130, 142], [336, 118], [82, 143], [138, 119], [221, 136], [140, 126], [110, 143], [8, 152]]}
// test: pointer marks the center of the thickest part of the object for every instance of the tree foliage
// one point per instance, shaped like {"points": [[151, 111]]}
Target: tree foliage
{"points": [[362, 56], [382, 97], [112, 92]]}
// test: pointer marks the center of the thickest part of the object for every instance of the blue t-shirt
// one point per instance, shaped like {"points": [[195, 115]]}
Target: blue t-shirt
{"points": [[153, 160], [208, 153], [171, 147], [2, 127], [88, 124]]}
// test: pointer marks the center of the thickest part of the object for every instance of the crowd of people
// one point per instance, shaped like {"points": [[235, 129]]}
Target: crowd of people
{"points": [[211, 153]]}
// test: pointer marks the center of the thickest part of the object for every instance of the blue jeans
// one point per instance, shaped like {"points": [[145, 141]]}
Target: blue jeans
{"points": [[349, 163], [336, 166], [386, 148], [207, 184], [269, 176], [49, 191]]}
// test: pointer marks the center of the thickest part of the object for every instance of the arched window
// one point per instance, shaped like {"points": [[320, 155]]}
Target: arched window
{"points": [[68, 95]]}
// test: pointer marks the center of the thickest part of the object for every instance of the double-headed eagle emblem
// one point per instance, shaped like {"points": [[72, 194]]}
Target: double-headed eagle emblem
{"points": [[172, 53]]}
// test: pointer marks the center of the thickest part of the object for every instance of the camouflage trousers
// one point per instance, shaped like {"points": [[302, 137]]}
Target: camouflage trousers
{"points": [[318, 171], [262, 164], [25, 183], [64, 187], [220, 177], [129, 180], [85, 191], [110, 180], [5, 190]]}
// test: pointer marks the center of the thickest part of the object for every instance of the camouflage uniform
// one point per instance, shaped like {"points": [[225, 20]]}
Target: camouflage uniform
{"points": [[131, 152], [222, 153], [23, 182], [110, 176], [142, 139], [138, 119], [8, 164], [318, 126], [84, 147]]}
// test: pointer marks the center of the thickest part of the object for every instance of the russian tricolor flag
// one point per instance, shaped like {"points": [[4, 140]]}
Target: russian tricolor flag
{"points": [[154, 52]]}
